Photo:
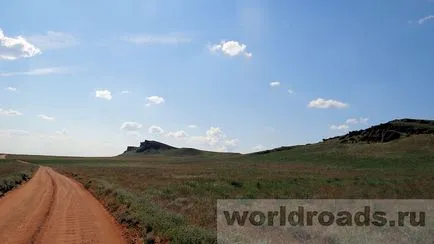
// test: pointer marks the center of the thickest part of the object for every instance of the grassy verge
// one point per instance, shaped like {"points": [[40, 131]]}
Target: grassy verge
{"points": [[13, 173], [144, 219]]}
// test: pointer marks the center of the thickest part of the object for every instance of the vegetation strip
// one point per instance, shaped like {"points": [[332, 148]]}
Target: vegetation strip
{"points": [[13, 173], [145, 219]]}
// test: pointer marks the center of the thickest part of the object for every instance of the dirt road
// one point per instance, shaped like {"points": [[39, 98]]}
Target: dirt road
{"points": [[2, 156], [51, 208]]}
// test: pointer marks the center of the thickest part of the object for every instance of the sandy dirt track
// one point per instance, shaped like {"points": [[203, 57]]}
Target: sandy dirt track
{"points": [[51, 208], [2, 156]]}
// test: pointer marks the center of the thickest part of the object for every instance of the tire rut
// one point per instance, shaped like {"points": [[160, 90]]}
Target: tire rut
{"points": [[49, 212], [52, 208]]}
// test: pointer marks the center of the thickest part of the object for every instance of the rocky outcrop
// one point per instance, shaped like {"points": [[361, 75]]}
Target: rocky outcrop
{"points": [[131, 148], [389, 131], [149, 147]]}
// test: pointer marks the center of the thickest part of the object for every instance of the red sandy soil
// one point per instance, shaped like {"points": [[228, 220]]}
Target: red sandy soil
{"points": [[52, 208]]}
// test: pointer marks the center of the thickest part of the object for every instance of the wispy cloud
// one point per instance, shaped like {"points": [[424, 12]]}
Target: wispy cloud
{"points": [[361, 120], [60, 134], [426, 18], [9, 112], [324, 104], [352, 121], [230, 48], [45, 117], [40, 71], [53, 40], [13, 132], [192, 126], [125, 92], [146, 39], [12, 48]]}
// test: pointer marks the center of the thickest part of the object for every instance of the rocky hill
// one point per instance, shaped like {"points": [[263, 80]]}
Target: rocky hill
{"points": [[149, 147], [161, 149], [386, 132]]}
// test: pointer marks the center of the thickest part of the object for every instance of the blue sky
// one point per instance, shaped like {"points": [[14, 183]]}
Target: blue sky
{"points": [[91, 77]]}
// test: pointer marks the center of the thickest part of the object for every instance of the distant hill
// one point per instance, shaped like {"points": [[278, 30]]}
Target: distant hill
{"points": [[389, 131], [155, 147], [278, 149], [382, 133]]}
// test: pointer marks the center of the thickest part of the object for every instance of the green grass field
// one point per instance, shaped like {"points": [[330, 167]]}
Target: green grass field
{"points": [[175, 196]]}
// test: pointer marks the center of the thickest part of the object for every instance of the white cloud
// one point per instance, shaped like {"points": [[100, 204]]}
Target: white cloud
{"points": [[125, 92], [53, 40], [426, 18], [214, 135], [40, 71], [214, 48], [290, 91], [258, 148], [45, 117], [131, 126], [215, 138], [154, 100], [339, 127], [192, 126], [274, 83], [143, 39], [323, 103], [228, 145], [9, 112], [350, 121], [103, 94], [230, 48], [231, 142], [12, 48], [153, 129], [178, 134], [11, 89]]}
